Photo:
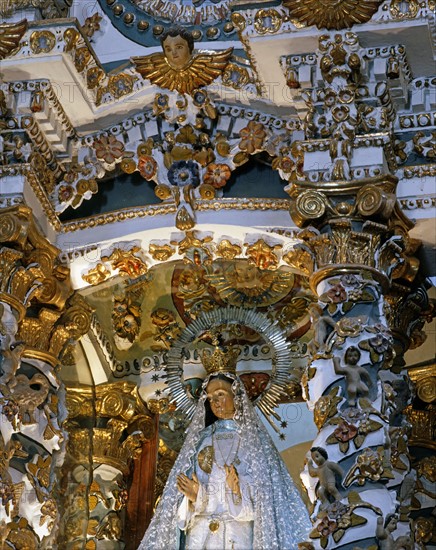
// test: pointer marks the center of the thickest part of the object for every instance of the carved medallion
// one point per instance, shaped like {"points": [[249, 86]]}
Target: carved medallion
{"points": [[205, 459]]}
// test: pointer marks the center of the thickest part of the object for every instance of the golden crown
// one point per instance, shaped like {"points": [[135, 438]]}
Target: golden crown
{"points": [[220, 360]]}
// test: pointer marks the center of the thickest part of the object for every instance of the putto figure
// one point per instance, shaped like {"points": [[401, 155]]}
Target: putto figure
{"points": [[229, 487], [178, 68], [353, 373]]}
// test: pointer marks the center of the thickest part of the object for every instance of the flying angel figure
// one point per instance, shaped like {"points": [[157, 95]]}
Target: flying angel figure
{"points": [[177, 68]]}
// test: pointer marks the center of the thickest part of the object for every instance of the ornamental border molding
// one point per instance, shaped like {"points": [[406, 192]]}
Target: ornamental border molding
{"points": [[255, 22]]}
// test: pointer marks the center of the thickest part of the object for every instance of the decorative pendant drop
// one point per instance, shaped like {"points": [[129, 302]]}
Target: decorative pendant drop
{"points": [[214, 526]]}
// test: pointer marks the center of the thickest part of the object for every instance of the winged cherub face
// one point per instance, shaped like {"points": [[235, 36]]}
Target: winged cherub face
{"points": [[176, 50]]}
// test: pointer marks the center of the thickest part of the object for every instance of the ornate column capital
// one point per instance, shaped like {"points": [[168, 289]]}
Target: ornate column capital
{"points": [[124, 423], [369, 199]]}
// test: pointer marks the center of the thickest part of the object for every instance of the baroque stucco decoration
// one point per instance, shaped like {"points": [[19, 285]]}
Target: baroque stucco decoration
{"points": [[40, 318], [353, 112]]}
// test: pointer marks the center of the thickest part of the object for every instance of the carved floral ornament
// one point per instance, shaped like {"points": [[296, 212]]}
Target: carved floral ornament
{"points": [[263, 253], [187, 165]]}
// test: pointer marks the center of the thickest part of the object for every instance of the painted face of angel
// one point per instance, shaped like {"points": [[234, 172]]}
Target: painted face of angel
{"points": [[176, 50], [220, 396]]}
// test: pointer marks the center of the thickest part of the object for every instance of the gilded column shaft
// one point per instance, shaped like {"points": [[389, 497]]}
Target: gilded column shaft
{"points": [[107, 427], [39, 317]]}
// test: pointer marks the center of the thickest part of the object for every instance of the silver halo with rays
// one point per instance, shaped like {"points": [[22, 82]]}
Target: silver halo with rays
{"points": [[281, 361]]}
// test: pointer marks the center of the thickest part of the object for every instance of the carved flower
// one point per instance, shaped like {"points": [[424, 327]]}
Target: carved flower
{"points": [[130, 324], [217, 175], [379, 343], [252, 137], [345, 432], [120, 308], [337, 509], [287, 164], [349, 326], [65, 193], [351, 414], [147, 167], [350, 280], [92, 24], [337, 293], [108, 148], [326, 526], [370, 466], [184, 172]]}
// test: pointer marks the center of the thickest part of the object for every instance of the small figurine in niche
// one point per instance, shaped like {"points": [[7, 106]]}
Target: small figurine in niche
{"points": [[320, 344], [353, 374], [177, 67], [326, 471]]}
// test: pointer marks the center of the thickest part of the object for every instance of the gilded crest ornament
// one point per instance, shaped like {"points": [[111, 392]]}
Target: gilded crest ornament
{"points": [[177, 68], [325, 14]]}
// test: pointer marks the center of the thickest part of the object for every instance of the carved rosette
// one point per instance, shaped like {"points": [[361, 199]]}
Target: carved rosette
{"points": [[39, 317], [107, 426]]}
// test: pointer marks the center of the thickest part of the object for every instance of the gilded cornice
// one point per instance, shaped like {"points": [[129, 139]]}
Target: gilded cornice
{"points": [[152, 210]]}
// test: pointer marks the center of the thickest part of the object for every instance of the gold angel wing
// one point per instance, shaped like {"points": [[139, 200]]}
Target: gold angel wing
{"points": [[202, 70], [339, 14], [10, 36]]}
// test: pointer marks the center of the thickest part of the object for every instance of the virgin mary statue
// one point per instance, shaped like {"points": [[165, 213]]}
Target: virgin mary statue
{"points": [[228, 489]]}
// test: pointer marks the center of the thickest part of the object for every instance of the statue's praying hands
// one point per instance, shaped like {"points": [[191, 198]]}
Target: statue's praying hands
{"points": [[188, 487]]}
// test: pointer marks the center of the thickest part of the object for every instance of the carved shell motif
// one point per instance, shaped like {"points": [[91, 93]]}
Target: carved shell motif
{"points": [[332, 14]]}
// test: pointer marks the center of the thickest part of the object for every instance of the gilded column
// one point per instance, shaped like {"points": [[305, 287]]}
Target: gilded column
{"points": [[357, 473], [107, 427], [39, 318]]}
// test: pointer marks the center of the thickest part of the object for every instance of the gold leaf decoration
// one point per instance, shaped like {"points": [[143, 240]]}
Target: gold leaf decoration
{"points": [[10, 36], [336, 14], [202, 69]]}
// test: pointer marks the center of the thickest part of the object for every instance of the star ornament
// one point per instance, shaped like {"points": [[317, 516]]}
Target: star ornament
{"points": [[201, 70]]}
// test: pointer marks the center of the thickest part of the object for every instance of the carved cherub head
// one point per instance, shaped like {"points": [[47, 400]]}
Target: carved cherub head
{"points": [[319, 455], [178, 45], [352, 355]]}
